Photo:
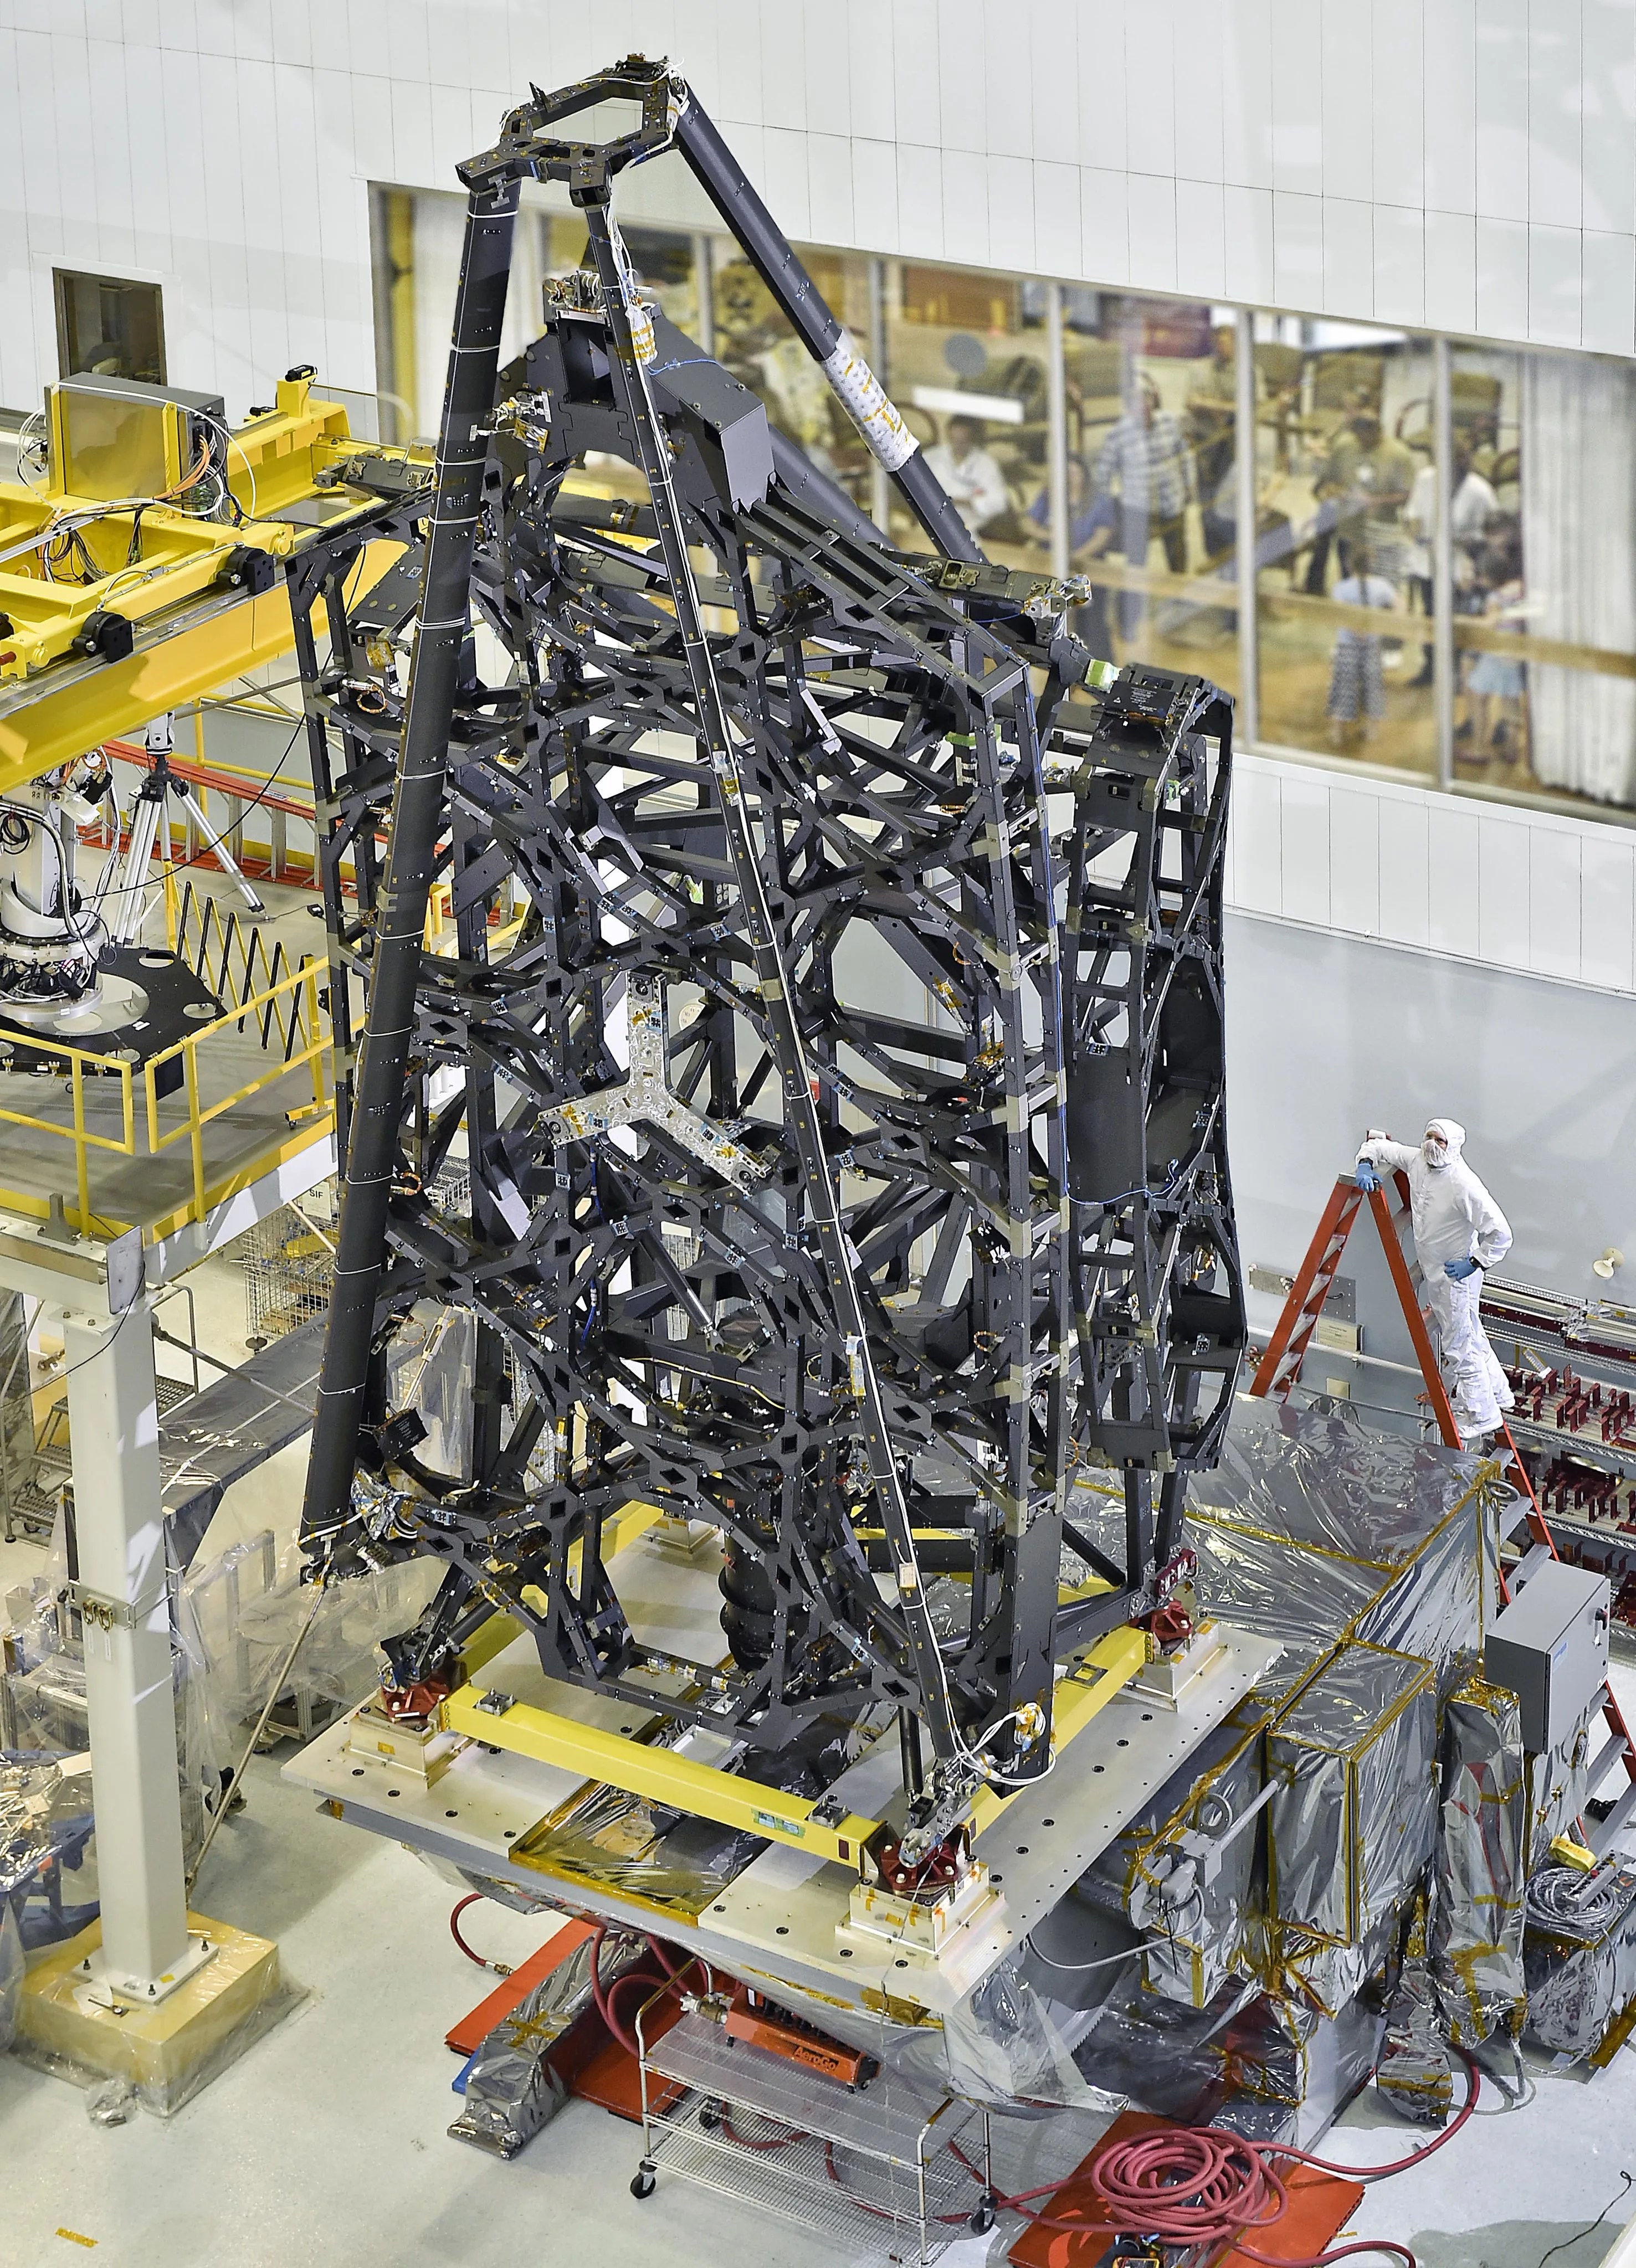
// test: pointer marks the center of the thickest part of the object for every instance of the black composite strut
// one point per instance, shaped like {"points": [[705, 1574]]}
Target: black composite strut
{"points": [[872, 1280], [417, 821], [725, 183], [669, 114]]}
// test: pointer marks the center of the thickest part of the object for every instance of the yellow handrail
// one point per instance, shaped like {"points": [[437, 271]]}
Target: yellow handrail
{"points": [[307, 1047]]}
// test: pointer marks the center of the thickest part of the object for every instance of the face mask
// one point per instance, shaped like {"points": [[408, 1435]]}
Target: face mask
{"points": [[1435, 1153]]}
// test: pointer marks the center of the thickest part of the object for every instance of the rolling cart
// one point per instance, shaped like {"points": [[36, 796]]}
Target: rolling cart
{"points": [[883, 2167]]}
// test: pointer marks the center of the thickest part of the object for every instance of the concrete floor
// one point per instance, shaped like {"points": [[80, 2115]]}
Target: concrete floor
{"points": [[326, 2142]]}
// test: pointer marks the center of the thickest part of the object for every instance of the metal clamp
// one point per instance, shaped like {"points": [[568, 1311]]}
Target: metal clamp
{"points": [[107, 1613]]}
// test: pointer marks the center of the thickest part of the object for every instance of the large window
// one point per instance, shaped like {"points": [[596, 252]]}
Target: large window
{"points": [[1346, 479], [755, 343], [109, 328], [1150, 393], [1442, 578], [969, 365]]}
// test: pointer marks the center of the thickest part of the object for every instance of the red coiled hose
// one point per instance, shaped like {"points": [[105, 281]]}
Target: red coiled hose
{"points": [[1188, 2185], [1201, 2185]]}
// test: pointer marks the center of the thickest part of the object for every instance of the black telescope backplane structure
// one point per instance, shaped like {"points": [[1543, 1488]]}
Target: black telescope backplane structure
{"points": [[842, 1091]]}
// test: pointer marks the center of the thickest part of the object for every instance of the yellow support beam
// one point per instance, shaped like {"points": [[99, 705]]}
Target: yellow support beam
{"points": [[661, 1775], [1086, 1690], [161, 566], [658, 1774], [62, 721]]}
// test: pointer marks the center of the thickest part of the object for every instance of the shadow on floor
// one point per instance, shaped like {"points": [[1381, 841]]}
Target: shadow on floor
{"points": [[260, 1872], [1515, 2244]]}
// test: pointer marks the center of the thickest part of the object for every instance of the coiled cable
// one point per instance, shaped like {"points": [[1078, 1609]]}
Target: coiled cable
{"points": [[1562, 1898]]}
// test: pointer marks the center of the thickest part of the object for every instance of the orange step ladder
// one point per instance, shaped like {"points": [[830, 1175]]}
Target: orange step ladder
{"points": [[1279, 1369]]}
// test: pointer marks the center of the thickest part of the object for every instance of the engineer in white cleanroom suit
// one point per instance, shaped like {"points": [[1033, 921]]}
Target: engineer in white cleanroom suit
{"points": [[1459, 1232]]}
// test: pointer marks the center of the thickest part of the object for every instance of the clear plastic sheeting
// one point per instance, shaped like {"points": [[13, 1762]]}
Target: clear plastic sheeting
{"points": [[1356, 1820], [1579, 1955], [1244, 2048], [432, 1363], [1304, 2060], [1197, 1909], [1482, 1857], [45, 1833], [238, 1998], [43, 1708], [1314, 1530], [30, 1789], [1008, 2042], [243, 1614], [1007, 2046]]}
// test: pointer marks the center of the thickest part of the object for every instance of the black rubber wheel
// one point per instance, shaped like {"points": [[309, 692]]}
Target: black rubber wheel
{"points": [[983, 2219], [643, 2184], [710, 2118]]}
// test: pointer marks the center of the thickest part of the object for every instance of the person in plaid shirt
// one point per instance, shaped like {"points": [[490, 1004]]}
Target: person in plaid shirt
{"points": [[1147, 459]]}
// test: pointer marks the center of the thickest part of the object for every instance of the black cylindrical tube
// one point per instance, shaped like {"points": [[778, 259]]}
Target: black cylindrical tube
{"points": [[418, 815], [725, 183]]}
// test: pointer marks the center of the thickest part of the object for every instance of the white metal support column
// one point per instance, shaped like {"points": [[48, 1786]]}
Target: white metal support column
{"points": [[113, 1426]]}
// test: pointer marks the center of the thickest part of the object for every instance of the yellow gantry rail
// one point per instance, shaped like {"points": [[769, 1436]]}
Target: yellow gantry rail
{"points": [[167, 571]]}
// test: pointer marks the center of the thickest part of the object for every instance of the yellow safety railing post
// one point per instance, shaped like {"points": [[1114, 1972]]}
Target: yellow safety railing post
{"points": [[82, 1160], [315, 1034], [195, 1126]]}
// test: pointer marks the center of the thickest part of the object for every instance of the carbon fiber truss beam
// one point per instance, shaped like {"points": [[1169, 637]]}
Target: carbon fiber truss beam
{"points": [[833, 1034]]}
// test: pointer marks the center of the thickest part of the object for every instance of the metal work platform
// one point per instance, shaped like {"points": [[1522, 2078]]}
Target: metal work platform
{"points": [[780, 1917], [152, 1125]]}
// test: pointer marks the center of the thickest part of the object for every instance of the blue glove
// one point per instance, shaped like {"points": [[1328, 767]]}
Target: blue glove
{"points": [[1457, 1270], [1365, 1176]]}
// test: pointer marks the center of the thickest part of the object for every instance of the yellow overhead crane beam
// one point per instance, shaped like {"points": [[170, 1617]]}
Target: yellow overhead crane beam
{"points": [[117, 606]]}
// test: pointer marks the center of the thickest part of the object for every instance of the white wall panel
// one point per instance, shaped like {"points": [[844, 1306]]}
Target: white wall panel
{"points": [[1297, 98], [1304, 848], [1608, 909], [1354, 855], [1349, 255], [1405, 836], [1483, 151], [1555, 946], [1201, 268], [1533, 892], [1259, 837], [1501, 278], [1503, 886]]}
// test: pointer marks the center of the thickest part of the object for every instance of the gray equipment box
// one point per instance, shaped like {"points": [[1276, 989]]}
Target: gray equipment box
{"points": [[1549, 1647]]}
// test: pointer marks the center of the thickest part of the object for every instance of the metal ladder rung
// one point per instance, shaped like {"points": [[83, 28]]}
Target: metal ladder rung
{"points": [[1531, 1561], [1617, 1819], [1603, 1763]]}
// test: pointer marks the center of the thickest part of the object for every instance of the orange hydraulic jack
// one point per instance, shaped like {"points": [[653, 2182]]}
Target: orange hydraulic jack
{"points": [[1280, 1368]]}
